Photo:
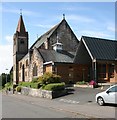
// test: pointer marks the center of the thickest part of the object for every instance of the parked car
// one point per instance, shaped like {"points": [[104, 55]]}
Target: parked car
{"points": [[108, 96]]}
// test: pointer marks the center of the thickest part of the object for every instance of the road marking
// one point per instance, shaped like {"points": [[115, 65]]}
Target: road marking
{"points": [[69, 101]]}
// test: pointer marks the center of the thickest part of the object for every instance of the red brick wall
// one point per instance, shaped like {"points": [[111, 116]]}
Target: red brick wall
{"points": [[78, 71]]}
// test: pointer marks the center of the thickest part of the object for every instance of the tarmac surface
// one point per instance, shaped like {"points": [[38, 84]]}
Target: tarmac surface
{"points": [[80, 103]]}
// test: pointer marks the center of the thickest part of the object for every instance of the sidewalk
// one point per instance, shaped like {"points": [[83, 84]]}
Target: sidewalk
{"points": [[106, 85]]}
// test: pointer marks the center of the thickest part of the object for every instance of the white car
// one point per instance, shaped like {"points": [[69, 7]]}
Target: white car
{"points": [[108, 96]]}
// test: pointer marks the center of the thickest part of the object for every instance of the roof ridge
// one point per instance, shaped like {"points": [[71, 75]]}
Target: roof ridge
{"points": [[100, 38], [47, 33]]}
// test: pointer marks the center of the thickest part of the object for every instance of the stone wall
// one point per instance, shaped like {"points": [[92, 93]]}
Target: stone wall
{"points": [[65, 36], [36, 59], [24, 63], [42, 93]]}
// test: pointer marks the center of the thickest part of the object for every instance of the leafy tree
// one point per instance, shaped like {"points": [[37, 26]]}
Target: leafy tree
{"points": [[4, 78]]}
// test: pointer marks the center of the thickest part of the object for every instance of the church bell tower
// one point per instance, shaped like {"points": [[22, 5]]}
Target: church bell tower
{"points": [[20, 47]]}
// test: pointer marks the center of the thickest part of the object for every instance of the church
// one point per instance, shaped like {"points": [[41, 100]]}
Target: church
{"points": [[59, 51]]}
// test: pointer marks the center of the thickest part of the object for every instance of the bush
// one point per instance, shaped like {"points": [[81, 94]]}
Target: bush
{"points": [[8, 85], [34, 80], [81, 83], [25, 84], [55, 87], [35, 85], [18, 88], [30, 84], [48, 78]]}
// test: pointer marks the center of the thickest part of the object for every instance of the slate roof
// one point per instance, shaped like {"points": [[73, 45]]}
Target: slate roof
{"points": [[45, 36], [101, 49], [21, 26], [57, 56]]}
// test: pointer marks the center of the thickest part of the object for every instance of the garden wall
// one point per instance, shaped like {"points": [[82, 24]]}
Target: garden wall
{"points": [[42, 93]]}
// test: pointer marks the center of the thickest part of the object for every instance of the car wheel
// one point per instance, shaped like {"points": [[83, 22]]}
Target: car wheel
{"points": [[100, 101]]}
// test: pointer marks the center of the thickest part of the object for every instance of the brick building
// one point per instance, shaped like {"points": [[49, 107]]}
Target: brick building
{"points": [[58, 51]]}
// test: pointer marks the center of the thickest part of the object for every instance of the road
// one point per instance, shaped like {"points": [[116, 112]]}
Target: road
{"points": [[19, 107], [81, 104]]}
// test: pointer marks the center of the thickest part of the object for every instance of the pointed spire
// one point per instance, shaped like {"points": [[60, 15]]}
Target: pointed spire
{"points": [[21, 26]]}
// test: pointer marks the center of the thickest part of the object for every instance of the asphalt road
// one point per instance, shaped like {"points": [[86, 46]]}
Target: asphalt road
{"points": [[80, 95], [80, 104], [18, 107]]}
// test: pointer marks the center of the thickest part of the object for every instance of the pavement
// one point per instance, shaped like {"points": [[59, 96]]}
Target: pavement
{"points": [[80, 102]]}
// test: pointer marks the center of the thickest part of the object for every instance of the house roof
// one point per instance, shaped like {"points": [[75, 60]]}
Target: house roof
{"points": [[100, 49], [45, 36], [57, 56]]}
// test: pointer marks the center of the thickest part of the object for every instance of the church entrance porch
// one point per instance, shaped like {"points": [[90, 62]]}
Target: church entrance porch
{"points": [[103, 71]]}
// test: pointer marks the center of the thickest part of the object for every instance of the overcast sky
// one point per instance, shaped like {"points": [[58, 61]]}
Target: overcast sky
{"points": [[85, 18]]}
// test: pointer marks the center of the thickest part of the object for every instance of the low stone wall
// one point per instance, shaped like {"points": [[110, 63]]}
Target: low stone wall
{"points": [[42, 93]]}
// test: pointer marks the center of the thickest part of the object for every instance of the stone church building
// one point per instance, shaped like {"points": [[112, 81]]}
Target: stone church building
{"points": [[59, 51]]}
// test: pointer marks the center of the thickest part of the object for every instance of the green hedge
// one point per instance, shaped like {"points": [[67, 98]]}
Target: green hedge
{"points": [[35, 85], [35, 80], [81, 83], [25, 84], [30, 84], [55, 86]]}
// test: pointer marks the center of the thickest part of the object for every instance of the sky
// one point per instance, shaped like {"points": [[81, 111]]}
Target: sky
{"points": [[95, 19]]}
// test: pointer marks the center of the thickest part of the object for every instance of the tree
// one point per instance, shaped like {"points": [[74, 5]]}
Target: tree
{"points": [[4, 78]]}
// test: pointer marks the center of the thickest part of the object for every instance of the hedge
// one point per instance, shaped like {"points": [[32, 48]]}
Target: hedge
{"points": [[35, 85], [30, 84], [35, 80], [25, 84], [54, 87]]}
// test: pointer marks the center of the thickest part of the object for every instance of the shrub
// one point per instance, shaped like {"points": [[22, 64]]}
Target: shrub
{"points": [[35, 85], [34, 80], [30, 84], [81, 83], [7, 84], [55, 86], [25, 84], [48, 78], [18, 88]]}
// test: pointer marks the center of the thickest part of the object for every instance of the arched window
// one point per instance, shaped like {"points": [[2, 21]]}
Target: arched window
{"points": [[23, 73], [35, 70]]}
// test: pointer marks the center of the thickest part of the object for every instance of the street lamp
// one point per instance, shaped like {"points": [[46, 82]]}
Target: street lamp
{"points": [[6, 74], [95, 70]]}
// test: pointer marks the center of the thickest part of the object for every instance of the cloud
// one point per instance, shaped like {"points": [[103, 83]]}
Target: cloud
{"points": [[80, 18], [44, 26], [17, 11], [111, 26], [6, 59], [9, 39], [73, 8], [95, 34]]}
